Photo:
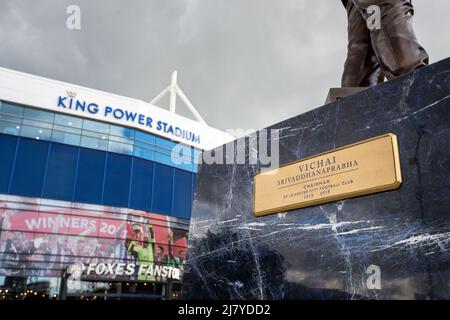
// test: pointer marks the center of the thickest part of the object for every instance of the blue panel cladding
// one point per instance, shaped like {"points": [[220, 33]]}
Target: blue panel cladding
{"points": [[29, 169], [162, 189], [8, 146], [141, 184], [61, 170], [91, 170], [42, 169], [182, 194], [117, 180]]}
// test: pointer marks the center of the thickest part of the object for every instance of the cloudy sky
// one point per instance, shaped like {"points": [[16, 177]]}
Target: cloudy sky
{"points": [[243, 63]]}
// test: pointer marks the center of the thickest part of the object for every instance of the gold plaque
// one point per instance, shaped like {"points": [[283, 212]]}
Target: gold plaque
{"points": [[362, 168]]}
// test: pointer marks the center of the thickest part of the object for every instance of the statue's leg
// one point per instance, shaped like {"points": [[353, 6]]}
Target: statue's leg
{"points": [[361, 68], [395, 43]]}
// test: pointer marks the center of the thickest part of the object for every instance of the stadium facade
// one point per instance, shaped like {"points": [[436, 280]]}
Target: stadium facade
{"points": [[96, 192]]}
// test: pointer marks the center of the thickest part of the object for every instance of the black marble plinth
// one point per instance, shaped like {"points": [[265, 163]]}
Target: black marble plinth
{"points": [[324, 252]]}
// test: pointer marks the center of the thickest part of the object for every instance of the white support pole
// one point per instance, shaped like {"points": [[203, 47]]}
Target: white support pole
{"points": [[173, 92], [173, 89], [160, 96], [190, 106]]}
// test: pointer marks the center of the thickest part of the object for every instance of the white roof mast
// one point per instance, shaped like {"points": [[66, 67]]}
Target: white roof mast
{"points": [[175, 90]]}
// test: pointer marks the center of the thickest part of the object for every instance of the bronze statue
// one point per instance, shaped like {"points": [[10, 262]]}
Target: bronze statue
{"points": [[388, 51]]}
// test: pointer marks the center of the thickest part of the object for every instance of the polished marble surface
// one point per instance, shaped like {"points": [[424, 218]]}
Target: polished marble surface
{"points": [[330, 251]]}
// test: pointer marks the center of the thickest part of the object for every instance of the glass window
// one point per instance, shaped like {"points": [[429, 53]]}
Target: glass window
{"points": [[144, 145], [183, 153], [164, 158], [61, 128], [144, 152], [100, 143], [94, 126], [95, 135], [164, 146], [181, 157], [121, 132], [10, 109], [37, 118], [143, 139], [196, 159], [67, 130], [196, 155], [119, 147], [121, 140], [34, 132], [65, 137], [68, 121], [45, 287], [164, 151], [10, 118], [10, 125]]}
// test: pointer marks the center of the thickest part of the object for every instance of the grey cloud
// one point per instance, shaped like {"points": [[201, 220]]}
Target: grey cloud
{"points": [[243, 63]]}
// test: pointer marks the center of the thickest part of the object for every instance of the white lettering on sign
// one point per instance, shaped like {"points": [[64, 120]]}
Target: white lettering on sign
{"points": [[122, 269], [133, 118]]}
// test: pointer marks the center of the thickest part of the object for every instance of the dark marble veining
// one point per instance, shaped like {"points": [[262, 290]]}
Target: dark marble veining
{"points": [[324, 252]]}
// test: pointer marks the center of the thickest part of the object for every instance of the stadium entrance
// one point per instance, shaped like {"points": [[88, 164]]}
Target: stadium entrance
{"points": [[98, 290]]}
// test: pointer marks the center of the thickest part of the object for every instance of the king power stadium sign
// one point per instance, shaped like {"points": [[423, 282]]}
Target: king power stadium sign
{"points": [[133, 118]]}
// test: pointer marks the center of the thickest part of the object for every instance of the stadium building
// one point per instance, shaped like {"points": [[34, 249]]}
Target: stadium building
{"points": [[95, 192]]}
